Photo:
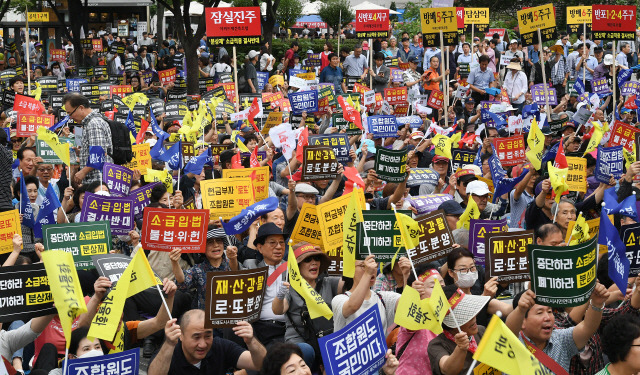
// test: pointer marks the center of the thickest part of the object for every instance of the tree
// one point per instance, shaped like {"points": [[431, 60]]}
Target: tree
{"points": [[288, 12], [186, 36], [412, 16], [78, 20], [393, 17], [336, 13]]}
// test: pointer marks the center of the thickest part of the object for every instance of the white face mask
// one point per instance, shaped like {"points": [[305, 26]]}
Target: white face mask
{"points": [[56, 71], [103, 192], [467, 280], [92, 353]]}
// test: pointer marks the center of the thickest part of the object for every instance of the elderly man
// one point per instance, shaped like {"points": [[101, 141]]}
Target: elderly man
{"points": [[189, 348]]}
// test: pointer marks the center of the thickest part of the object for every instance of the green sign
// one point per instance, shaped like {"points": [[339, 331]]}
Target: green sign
{"points": [[339, 122], [382, 237], [391, 165], [570, 89], [80, 239], [327, 92], [49, 156], [563, 276]]}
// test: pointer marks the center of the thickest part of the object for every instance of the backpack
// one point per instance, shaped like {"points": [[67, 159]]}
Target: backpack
{"points": [[120, 141]]}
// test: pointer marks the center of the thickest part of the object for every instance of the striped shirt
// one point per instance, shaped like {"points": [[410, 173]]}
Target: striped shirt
{"points": [[95, 132]]}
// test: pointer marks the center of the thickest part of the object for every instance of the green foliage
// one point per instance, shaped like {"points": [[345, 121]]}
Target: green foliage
{"points": [[242, 3], [411, 16], [19, 6], [393, 17], [330, 12], [288, 12]]}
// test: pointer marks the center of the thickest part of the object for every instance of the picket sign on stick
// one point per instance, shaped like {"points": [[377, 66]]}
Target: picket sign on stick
{"points": [[370, 64], [164, 301], [613, 74], [584, 76], [445, 88], [235, 77], [26, 13], [544, 78], [364, 228]]}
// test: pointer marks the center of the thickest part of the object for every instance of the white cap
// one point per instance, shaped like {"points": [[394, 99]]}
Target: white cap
{"points": [[608, 60], [252, 54], [478, 188], [513, 41]]}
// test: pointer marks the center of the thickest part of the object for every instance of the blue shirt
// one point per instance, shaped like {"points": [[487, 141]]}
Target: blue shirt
{"points": [[592, 62], [428, 53], [418, 51], [481, 79], [534, 55], [332, 75]]}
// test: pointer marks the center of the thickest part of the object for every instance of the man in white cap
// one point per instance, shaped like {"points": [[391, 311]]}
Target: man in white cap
{"points": [[479, 192], [250, 72], [513, 51]]}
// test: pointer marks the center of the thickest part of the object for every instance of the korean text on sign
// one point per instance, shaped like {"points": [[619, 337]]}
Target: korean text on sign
{"points": [[506, 255], [116, 210], [233, 296], [163, 228], [82, 240], [226, 197]]}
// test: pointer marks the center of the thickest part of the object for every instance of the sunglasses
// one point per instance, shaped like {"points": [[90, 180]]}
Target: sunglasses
{"points": [[317, 258]]}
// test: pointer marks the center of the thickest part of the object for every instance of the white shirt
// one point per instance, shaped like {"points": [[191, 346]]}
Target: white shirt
{"points": [[621, 59], [516, 84]]}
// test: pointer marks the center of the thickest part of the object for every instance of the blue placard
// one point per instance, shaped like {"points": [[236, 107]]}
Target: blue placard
{"points": [[609, 162], [382, 126], [304, 101], [419, 176], [73, 84], [263, 78], [414, 121], [359, 348], [127, 362], [338, 142], [293, 72]]}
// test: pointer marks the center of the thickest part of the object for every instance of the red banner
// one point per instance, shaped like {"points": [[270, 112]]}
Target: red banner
{"points": [[460, 17], [510, 150], [97, 44], [229, 89], [27, 104], [613, 21], [167, 76], [58, 54], [396, 95], [401, 110], [121, 90], [436, 99], [372, 23], [623, 135], [164, 229], [29, 124], [236, 25]]}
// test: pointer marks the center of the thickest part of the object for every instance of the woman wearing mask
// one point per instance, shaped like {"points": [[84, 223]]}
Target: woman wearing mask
{"points": [[462, 271], [28, 238]]}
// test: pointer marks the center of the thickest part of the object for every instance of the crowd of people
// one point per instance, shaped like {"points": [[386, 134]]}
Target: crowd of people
{"points": [[598, 337]]}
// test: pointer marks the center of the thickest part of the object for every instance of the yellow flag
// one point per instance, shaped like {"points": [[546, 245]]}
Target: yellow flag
{"points": [[316, 305], [471, 212], [580, 231], [455, 139], [535, 141], [409, 233], [135, 98], [558, 179], [596, 137], [352, 217], [501, 349], [629, 157], [234, 138], [415, 314], [161, 176], [443, 145], [65, 288], [37, 93], [61, 149], [137, 277]]}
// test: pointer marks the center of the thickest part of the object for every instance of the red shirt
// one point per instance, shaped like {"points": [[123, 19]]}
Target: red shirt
{"points": [[289, 57]]}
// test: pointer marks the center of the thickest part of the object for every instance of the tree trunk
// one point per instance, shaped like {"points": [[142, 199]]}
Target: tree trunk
{"points": [[191, 57], [160, 25]]}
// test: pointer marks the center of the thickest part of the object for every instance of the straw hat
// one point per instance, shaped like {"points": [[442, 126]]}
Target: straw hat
{"points": [[514, 65], [558, 47]]}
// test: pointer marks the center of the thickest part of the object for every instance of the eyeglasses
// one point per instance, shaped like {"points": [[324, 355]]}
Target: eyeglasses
{"points": [[464, 271], [74, 111], [316, 258], [49, 169], [275, 243]]}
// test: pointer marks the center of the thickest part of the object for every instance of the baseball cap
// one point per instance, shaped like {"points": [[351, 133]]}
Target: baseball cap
{"points": [[439, 158], [478, 188], [608, 60], [513, 41], [414, 60], [546, 130], [417, 135], [252, 54], [451, 207], [304, 188]]}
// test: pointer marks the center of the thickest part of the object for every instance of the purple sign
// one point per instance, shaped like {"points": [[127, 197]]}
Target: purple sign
{"points": [[609, 163], [118, 179], [262, 155], [538, 94], [147, 76], [141, 200], [427, 203], [118, 211], [396, 75], [630, 88], [478, 230], [600, 86]]}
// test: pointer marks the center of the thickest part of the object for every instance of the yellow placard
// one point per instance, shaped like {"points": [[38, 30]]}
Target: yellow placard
{"points": [[260, 181], [306, 76], [9, 225], [160, 176], [434, 20], [276, 80], [141, 158], [579, 15], [577, 176], [540, 17], [274, 119], [38, 16], [594, 227], [306, 228], [331, 217], [476, 16], [226, 197], [483, 369]]}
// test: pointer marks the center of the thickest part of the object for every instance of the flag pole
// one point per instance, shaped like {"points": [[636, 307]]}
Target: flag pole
{"points": [[364, 227], [473, 364], [26, 11], [164, 301], [66, 360], [544, 77], [408, 253]]}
